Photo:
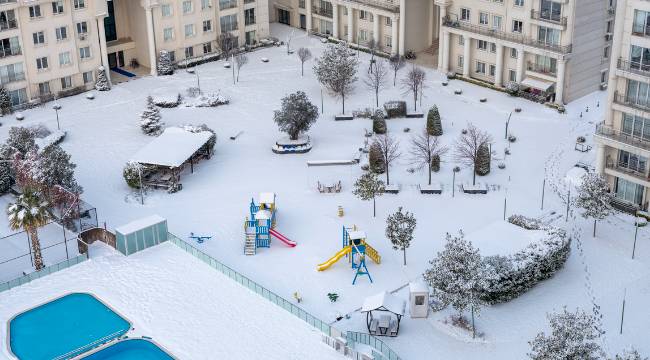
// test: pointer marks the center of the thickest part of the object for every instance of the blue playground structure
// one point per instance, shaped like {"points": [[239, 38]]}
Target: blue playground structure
{"points": [[199, 238], [356, 248], [260, 226]]}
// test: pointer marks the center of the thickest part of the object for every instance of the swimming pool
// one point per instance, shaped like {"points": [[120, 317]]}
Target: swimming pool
{"points": [[131, 349], [64, 327]]}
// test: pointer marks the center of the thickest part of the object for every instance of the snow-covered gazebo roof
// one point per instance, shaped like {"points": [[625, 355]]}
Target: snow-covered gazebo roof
{"points": [[267, 198], [357, 234], [172, 148], [385, 301]]}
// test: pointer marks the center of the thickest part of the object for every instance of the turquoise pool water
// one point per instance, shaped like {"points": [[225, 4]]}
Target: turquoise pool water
{"points": [[63, 328], [134, 349]]}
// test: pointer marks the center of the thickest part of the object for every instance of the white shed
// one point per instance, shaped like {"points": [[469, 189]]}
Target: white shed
{"points": [[418, 300]]}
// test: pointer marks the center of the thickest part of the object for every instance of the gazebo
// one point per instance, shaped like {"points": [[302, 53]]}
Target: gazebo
{"points": [[390, 308], [169, 154]]}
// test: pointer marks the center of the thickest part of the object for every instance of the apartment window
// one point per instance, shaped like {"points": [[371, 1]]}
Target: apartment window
{"points": [[639, 58], [301, 4], [64, 58], [493, 70], [10, 46], [465, 14], [189, 51], [44, 88], [606, 52], [41, 63], [633, 162], [35, 11], [389, 21], [82, 28], [545, 64], [12, 72], [57, 7], [168, 34], [365, 15], [189, 30], [207, 25], [249, 16], [548, 36], [628, 191], [79, 4], [483, 18], [519, 2], [18, 96], [496, 22], [641, 24], [493, 47], [345, 30], [460, 61], [480, 67], [228, 23], [517, 26], [363, 35], [61, 33], [207, 48], [166, 10], [388, 40], [636, 126], [603, 77], [66, 82], [637, 93], [84, 52], [512, 75], [88, 77], [205, 4], [513, 53], [187, 7], [461, 40], [610, 26], [481, 45], [172, 56], [39, 38], [227, 4], [8, 20], [345, 11], [251, 37]]}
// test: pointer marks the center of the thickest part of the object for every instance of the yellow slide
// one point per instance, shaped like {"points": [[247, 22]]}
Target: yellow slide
{"points": [[333, 259]]}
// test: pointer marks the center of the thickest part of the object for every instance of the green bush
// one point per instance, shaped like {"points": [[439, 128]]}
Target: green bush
{"points": [[376, 160], [379, 126], [483, 158], [434, 125], [435, 163]]}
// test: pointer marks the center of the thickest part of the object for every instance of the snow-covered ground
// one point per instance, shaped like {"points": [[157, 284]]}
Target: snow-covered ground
{"points": [[189, 308], [103, 134]]}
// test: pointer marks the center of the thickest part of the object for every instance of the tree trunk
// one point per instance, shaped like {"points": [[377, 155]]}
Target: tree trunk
{"points": [[473, 326], [377, 96], [343, 96], [302, 69], [595, 227], [404, 252], [36, 248], [474, 175], [387, 177], [415, 101], [395, 78], [374, 207], [429, 171]]}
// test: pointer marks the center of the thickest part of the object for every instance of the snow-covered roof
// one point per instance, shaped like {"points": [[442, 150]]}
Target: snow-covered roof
{"points": [[263, 215], [537, 83], [418, 286], [267, 198], [384, 300], [139, 224], [354, 235], [172, 148]]}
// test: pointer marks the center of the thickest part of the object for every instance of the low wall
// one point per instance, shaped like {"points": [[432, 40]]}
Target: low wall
{"points": [[45, 271]]}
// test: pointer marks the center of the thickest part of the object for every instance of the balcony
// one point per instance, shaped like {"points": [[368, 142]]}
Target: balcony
{"points": [[8, 25], [6, 79], [609, 132], [326, 12], [548, 17], [632, 102], [10, 51], [516, 38], [541, 68], [227, 5], [389, 5], [643, 30], [633, 67], [621, 168]]}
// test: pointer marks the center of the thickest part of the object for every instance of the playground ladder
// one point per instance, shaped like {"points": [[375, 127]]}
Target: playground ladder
{"points": [[373, 254], [249, 246]]}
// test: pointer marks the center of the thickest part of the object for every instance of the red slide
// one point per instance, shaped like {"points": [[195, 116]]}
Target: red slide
{"points": [[283, 238]]}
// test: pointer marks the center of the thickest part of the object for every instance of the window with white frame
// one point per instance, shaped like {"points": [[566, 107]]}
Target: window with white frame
{"points": [[187, 7], [388, 40], [41, 63], [465, 14], [461, 40], [88, 77], [57, 7], [461, 61], [207, 48], [517, 26], [82, 28], [189, 30], [249, 16], [18, 96], [603, 77], [207, 25], [166, 10], [388, 21], [365, 15], [512, 75], [205, 4], [66, 82], [493, 47], [61, 33], [79, 4], [519, 2], [483, 18], [84, 52], [513, 53], [480, 67], [363, 35], [228, 23], [44, 88], [39, 37], [493, 70], [250, 37], [606, 52], [482, 45], [497, 22], [189, 51], [12, 72], [35, 11], [168, 34], [64, 58]]}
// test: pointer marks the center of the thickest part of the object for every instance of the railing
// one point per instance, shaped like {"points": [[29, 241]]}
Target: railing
{"points": [[227, 5], [548, 17], [8, 25], [92, 345], [390, 5], [631, 101], [517, 38], [385, 351], [643, 30], [633, 67], [636, 173], [541, 68], [6, 79], [43, 272], [617, 135], [327, 12], [11, 51]]}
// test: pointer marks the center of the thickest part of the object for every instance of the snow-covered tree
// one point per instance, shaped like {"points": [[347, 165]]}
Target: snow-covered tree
{"points": [[336, 69], [630, 354], [102, 84], [389, 150], [368, 187], [55, 168], [375, 159], [28, 213], [25, 168], [574, 335], [296, 115], [5, 177], [396, 62], [132, 174], [304, 55], [150, 119], [240, 60], [376, 80], [594, 198], [5, 101], [21, 140], [483, 159], [457, 276], [467, 147], [413, 83], [379, 124], [165, 64], [434, 125], [426, 151], [399, 230]]}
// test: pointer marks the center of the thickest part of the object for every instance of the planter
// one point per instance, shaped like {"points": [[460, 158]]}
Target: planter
{"points": [[458, 92], [444, 83], [392, 189], [265, 60], [287, 146], [416, 115], [474, 189], [431, 189], [226, 65], [90, 96], [343, 117], [483, 100], [20, 116]]}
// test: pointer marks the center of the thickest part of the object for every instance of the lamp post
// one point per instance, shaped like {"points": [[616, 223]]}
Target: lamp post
{"points": [[56, 108], [453, 185]]}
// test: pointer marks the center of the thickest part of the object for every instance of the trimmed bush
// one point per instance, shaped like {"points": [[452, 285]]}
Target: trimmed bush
{"points": [[483, 159], [379, 126], [435, 163], [375, 160], [434, 125], [168, 102], [131, 174]]}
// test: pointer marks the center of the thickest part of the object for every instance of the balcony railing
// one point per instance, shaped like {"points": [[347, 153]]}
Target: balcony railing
{"points": [[548, 17], [643, 30], [633, 67], [10, 51], [327, 12], [390, 5], [6, 79], [541, 68], [227, 5], [517, 38], [631, 101], [8, 25], [617, 135], [635, 173]]}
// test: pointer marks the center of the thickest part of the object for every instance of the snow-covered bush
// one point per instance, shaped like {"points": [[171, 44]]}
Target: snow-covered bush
{"points": [[54, 138], [512, 138], [150, 119], [203, 127], [193, 91], [451, 75], [507, 277], [379, 126], [435, 163], [208, 100], [101, 84], [5, 102], [165, 64], [512, 88], [170, 101], [5, 177], [375, 159], [395, 109], [296, 115], [132, 172], [483, 159], [434, 125]]}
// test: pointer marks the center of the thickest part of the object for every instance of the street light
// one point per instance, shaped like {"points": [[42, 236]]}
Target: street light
{"points": [[56, 108]]}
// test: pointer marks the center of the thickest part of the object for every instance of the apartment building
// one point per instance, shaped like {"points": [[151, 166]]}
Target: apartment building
{"points": [[557, 50], [623, 139], [50, 48]]}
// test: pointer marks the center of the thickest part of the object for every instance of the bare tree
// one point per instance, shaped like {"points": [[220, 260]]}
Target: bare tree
{"points": [[336, 69], [240, 59], [396, 63], [424, 148], [389, 148], [372, 46], [413, 83], [376, 80], [304, 55], [227, 44], [467, 147]]}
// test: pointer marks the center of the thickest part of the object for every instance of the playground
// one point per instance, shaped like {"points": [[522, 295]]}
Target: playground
{"points": [[264, 214]]}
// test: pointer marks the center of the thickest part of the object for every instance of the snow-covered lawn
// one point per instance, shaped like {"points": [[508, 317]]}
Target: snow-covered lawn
{"points": [[103, 134], [189, 308]]}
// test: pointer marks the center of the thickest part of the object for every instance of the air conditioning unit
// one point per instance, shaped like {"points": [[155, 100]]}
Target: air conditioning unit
{"points": [[609, 37], [82, 36]]}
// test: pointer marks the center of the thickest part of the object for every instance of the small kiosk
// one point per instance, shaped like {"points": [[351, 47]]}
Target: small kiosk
{"points": [[418, 300]]}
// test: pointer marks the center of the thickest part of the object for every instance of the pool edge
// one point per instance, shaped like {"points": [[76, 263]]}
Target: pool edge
{"points": [[111, 343]]}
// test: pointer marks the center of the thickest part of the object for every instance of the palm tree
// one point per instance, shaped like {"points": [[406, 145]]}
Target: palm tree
{"points": [[30, 212]]}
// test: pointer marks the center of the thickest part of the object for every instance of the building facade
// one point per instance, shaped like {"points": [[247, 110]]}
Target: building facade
{"points": [[54, 48], [623, 140]]}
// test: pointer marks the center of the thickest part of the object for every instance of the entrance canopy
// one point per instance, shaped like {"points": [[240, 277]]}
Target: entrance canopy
{"points": [[542, 85], [172, 148]]}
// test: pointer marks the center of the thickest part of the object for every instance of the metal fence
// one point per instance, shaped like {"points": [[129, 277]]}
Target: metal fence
{"points": [[362, 338]]}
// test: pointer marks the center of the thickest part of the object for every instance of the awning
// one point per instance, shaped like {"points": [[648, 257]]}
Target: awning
{"points": [[172, 148], [385, 301], [537, 83]]}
